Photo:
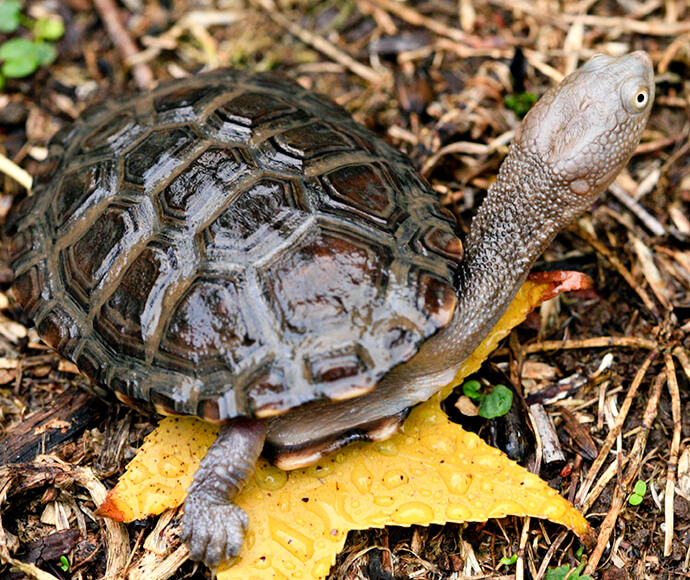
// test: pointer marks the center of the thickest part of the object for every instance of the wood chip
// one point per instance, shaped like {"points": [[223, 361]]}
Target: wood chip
{"points": [[580, 434], [532, 369], [551, 452], [651, 272], [684, 474]]}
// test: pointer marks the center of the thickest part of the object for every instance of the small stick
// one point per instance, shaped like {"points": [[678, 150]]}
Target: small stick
{"points": [[598, 488], [546, 560], [11, 169], [636, 208], [653, 146], [547, 433], [621, 491], [563, 21], [675, 156], [682, 356], [522, 548], [649, 27], [319, 43], [413, 17], [672, 383], [615, 431], [598, 342], [618, 265], [110, 15]]}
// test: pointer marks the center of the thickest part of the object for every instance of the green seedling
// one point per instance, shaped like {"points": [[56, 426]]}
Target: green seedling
{"points": [[565, 572], [21, 56], [520, 103], [495, 403], [506, 561], [637, 495]]}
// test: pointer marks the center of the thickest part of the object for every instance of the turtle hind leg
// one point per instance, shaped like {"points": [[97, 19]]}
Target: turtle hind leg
{"points": [[213, 527]]}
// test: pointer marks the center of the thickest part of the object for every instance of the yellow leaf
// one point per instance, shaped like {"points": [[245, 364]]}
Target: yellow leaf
{"points": [[431, 472], [161, 471]]}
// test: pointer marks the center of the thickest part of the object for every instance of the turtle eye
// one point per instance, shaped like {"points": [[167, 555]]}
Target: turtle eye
{"points": [[641, 99], [635, 95]]}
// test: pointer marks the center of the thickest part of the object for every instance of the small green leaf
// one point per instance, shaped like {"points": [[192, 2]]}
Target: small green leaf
{"points": [[2, 82], [48, 29], [496, 403], [557, 573], [17, 49], [472, 389], [15, 69], [576, 574], [9, 15], [640, 487], [635, 499], [520, 103], [64, 563], [509, 561], [45, 53]]}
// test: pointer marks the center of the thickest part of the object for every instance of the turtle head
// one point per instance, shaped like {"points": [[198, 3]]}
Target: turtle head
{"points": [[567, 151], [585, 129]]}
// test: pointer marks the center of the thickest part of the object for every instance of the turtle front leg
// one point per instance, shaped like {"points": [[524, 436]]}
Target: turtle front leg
{"points": [[212, 526]]}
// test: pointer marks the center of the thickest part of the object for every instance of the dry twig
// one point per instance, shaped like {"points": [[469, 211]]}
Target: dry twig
{"points": [[621, 490], [110, 14], [599, 342], [672, 382], [411, 16], [582, 499], [11, 169], [564, 21], [321, 44], [618, 265], [636, 208]]}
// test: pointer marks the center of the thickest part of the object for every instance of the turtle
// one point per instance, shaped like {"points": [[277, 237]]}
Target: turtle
{"points": [[233, 246]]}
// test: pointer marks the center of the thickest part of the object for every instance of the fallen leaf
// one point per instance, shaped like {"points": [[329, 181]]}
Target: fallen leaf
{"points": [[161, 471], [431, 472]]}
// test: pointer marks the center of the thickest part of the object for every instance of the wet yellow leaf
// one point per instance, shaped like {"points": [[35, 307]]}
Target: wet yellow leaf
{"points": [[157, 477], [431, 472]]}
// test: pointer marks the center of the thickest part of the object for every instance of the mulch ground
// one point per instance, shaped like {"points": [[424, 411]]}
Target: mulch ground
{"points": [[609, 365]]}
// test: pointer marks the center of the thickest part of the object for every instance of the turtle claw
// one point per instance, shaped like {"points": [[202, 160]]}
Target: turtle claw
{"points": [[213, 533], [212, 526]]}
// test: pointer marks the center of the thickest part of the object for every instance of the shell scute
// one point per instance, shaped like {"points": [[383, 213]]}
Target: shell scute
{"points": [[30, 288], [270, 394], [89, 259], [157, 155], [313, 140], [232, 245], [59, 330], [327, 281], [112, 132], [129, 317], [212, 175], [263, 213], [80, 189], [440, 241], [335, 370], [249, 111], [185, 104], [208, 327], [363, 189]]}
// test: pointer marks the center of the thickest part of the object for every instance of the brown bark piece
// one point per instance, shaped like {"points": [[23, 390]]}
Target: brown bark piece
{"points": [[44, 431]]}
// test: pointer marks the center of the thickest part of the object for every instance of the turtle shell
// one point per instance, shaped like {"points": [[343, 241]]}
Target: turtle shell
{"points": [[231, 244]]}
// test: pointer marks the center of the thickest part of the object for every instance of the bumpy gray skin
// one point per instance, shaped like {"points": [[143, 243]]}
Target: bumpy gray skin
{"points": [[567, 151], [214, 527]]}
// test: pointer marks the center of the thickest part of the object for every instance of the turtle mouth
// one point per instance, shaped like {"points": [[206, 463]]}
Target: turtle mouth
{"points": [[298, 456]]}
